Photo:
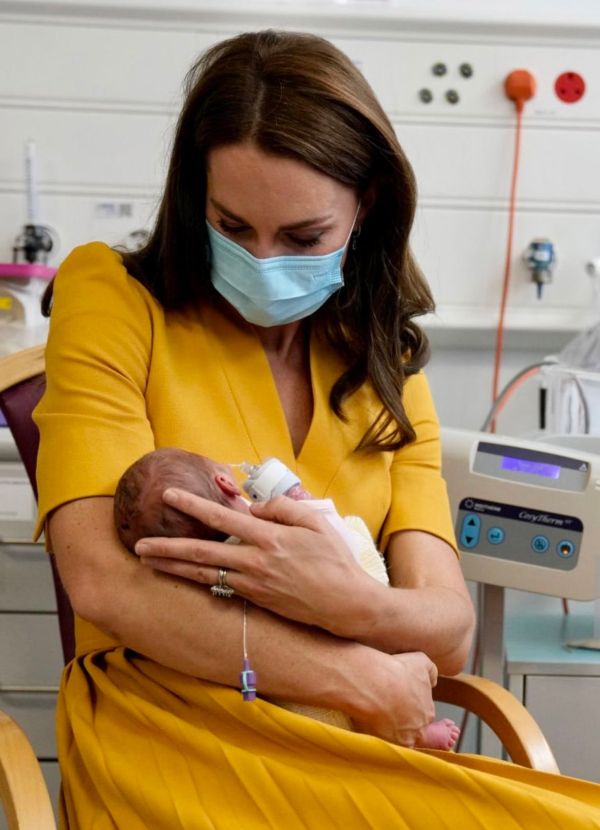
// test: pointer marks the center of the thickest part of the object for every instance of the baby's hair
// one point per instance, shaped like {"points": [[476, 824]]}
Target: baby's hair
{"points": [[139, 510]]}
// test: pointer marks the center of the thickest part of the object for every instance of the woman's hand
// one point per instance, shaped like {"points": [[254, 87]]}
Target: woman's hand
{"points": [[289, 560], [400, 704]]}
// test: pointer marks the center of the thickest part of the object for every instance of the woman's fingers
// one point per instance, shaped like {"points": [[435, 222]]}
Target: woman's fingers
{"points": [[287, 560], [195, 553], [206, 574], [284, 511], [246, 527]]}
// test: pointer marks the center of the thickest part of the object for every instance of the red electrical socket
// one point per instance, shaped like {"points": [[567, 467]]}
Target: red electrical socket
{"points": [[569, 87]]}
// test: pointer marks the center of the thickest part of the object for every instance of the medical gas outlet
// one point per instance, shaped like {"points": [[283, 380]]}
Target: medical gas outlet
{"points": [[540, 258]]}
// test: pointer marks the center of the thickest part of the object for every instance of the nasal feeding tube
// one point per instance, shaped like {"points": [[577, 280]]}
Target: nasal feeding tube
{"points": [[267, 480]]}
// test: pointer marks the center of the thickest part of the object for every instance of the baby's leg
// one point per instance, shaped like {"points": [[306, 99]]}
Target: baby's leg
{"points": [[442, 734]]}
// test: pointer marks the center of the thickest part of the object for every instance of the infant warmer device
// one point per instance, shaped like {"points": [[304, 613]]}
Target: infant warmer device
{"points": [[527, 513], [527, 516]]}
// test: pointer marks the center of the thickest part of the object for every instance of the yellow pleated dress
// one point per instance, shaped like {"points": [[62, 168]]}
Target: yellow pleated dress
{"points": [[143, 747]]}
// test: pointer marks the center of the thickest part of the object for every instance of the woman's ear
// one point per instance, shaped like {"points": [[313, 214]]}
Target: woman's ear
{"points": [[227, 485], [367, 200]]}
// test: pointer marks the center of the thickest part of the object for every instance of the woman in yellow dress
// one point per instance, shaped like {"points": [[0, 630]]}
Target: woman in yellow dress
{"points": [[270, 314]]}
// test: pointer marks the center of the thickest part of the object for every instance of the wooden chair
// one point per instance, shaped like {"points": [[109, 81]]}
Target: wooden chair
{"points": [[22, 787]]}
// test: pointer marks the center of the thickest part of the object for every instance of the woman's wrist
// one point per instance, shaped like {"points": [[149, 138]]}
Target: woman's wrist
{"points": [[360, 611], [362, 677]]}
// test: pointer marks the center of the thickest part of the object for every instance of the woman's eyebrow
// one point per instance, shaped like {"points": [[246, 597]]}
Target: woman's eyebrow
{"points": [[228, 213], [294, 226], [317, 220]]}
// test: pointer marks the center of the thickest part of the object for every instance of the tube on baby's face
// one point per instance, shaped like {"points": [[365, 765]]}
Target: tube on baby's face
{"points": [[297, 493], [270, 479]]}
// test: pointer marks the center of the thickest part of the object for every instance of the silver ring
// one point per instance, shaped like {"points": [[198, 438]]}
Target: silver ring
{"points": [[222, 589]]}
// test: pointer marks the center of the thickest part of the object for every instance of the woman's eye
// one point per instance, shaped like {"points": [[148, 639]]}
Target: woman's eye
{"points": [[306, 243], [231, 229], [236, 230]]}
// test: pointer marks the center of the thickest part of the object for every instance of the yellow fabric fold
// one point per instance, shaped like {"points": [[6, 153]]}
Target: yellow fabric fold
{"points": [[204, 758]]}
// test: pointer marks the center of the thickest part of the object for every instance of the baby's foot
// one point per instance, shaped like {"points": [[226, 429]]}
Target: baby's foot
{"points": [[442, 734]]}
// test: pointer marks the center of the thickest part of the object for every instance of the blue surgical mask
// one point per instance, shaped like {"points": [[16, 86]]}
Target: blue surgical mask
{"points": [[275, 290]]}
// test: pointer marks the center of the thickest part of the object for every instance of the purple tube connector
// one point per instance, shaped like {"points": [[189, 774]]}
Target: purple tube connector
{"points": [[248, 681]]}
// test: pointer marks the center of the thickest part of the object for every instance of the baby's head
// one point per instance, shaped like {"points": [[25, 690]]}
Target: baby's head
{"points": [[139, 510]]}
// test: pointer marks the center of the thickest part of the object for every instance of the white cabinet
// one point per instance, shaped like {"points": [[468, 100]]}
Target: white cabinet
{"points": [[30, 650], [559, 685]]}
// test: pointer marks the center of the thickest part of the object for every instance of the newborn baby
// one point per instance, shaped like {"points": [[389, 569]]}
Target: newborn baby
{"points": [[139, 511]]}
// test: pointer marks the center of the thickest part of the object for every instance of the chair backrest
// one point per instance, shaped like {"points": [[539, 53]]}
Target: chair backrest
{"points": [[22, 384]]}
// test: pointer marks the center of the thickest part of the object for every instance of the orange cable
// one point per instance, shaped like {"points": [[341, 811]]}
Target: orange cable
{"points": [[513, 387], [507, 264]]}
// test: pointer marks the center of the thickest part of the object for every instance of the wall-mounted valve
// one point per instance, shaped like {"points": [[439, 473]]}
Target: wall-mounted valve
{"points": [[33, 244], [540, 258]]}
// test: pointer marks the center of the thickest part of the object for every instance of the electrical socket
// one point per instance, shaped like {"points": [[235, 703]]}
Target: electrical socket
{"points": [[569, 87]]}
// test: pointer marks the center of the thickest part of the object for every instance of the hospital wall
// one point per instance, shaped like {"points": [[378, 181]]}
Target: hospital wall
{"points": [[97, 86]]}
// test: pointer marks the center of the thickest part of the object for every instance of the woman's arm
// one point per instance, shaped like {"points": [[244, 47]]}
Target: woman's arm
{"points": [[292, 562], [428, 607], [179, 624]]}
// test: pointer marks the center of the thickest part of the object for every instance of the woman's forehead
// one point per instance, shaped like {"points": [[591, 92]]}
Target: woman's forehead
{"points": [[246, 181]]}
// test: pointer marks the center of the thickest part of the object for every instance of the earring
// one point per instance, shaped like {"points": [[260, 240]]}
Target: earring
{"points": [[355, 235]]}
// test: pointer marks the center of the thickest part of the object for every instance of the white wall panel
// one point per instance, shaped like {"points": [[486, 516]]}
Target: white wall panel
{"points": [[398, 67], [129, 66], [84, 65], [462, 254], [463, 162], [87, 151]]}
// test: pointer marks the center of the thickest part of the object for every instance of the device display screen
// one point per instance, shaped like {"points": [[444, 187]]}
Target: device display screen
{"points": [[524, 465]]}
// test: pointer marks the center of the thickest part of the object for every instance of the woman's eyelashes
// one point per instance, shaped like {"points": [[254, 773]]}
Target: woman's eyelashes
{"points": [[305, 243], [301, 242]]}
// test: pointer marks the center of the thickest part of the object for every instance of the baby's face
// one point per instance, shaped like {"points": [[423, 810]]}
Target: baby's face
{"points": [[298, 493]]}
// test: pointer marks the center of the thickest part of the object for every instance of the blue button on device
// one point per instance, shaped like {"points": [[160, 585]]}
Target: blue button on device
{"points": [[540, 544], [495, 535], [470, 530]]}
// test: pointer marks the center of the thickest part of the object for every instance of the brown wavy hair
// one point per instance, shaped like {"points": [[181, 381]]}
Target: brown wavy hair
{"points": [[298, 96]]}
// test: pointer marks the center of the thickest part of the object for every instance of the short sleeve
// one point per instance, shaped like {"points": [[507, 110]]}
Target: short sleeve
{"points": [[419, 495], [92, 417]]}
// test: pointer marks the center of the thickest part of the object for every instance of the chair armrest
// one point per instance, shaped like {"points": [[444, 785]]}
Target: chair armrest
{"points": [[501, 711], [21, 365], [23, 790]]}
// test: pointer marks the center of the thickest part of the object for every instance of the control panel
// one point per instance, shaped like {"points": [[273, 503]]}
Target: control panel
{"points": [[519, 534]]}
